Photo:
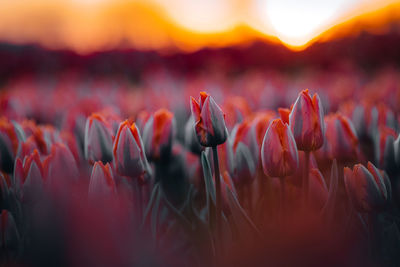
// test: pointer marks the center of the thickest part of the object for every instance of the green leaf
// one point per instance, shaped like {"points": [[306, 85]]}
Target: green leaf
{"points": [[240, 219]]}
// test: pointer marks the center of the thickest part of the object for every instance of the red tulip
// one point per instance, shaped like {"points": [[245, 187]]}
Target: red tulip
{"points": [[129, 157], [279, 152], [61, 165], [385, 148], [284, 113], [244, 165], [365, 187], [30, 175], [101, 181], [98, 139], [342, 141], [159, 135], [209, 121], [307, 122]]}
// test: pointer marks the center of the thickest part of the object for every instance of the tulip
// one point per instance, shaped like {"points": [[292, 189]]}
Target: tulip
{"points": [[365, 187], [211, 132], [279, 152], [8, 145], [101, 181], [385, 149], [61, 166], [209, 121], [159, 134], [191, 141], [30, 176], [284, 113], [129, 157], [307, 122], [98, 139], [244, 165], [342, 141]]}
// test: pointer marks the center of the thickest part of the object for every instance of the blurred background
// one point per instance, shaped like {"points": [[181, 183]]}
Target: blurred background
{"points": [[128, 37]]}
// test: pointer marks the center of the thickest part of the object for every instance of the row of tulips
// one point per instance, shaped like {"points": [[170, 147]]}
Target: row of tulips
{"points": [[167, 190]]}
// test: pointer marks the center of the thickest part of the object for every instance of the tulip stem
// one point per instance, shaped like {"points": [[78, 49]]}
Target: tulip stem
{"points": [[305, 176], [218, 194]]}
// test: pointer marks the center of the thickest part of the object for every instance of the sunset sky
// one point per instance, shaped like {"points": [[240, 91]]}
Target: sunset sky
{"points": [[95, 25]]}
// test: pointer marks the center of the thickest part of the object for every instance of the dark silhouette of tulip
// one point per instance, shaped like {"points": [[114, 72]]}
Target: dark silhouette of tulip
{"points": [[342, 141], [307, 122], [129, 157], [8, 145], [244, 165], [159, 134], [279, 152], [30, 175], [98, 139], [61, 166], [102, 182], [209, 121], [385, 149], [365, 187]]}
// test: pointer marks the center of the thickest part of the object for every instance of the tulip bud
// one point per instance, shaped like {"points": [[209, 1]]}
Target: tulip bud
{"points": [[284, 113], [365, 188], [279, 152], [98, 139], [29, 176], [129, 157], [209, 121], [244, 166], [159, 135], [101, 181], [385, 150], [307, 122], [342, 141], [61, 166], [8, 145], [191, 141]]}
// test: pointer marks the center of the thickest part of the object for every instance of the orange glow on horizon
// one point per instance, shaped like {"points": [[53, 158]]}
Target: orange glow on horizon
{"points": [[101, 25]]}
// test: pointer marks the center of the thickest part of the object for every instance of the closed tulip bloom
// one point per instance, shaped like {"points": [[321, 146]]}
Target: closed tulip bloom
{"points": [[128, 151], [209, 121], [279, 152], [342, 141], [365, 187], [8, 145], [385, 149], [101, 181], [29, 175], [61, 165], [244, 165], [159, 135], [98, 139], [307, 122]]}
